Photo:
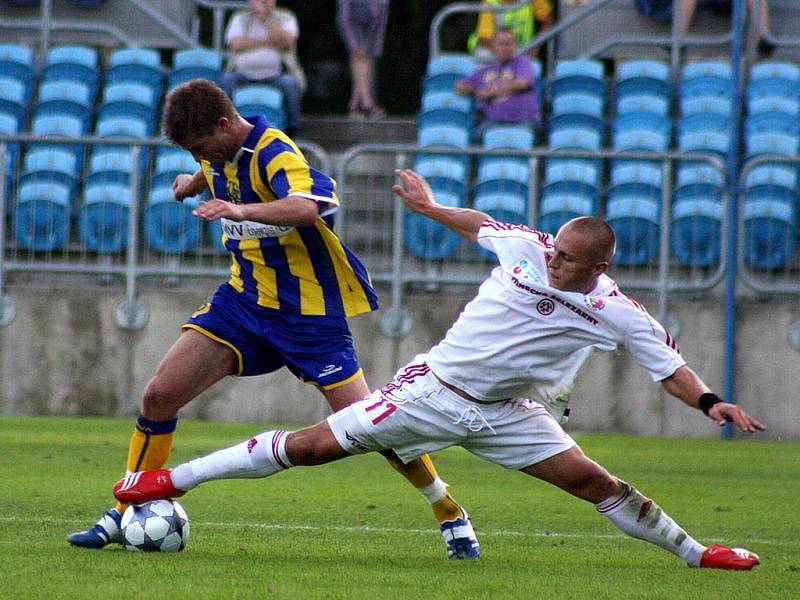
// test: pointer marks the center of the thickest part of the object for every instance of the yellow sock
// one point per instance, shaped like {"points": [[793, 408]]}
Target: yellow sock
{"points": [[150, 446], [422, 475]]}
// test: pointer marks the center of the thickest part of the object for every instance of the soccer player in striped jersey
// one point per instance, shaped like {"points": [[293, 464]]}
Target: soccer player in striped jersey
{"points": [[515, 347], [292, 285]]}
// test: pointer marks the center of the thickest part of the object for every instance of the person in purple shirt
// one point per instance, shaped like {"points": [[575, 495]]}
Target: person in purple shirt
{"points": [[505, 89]]}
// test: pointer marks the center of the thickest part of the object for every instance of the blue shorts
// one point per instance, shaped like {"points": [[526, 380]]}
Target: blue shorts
{"points": [[316, 349]]}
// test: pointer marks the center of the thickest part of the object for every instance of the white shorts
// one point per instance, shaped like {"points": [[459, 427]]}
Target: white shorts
{"points": [[415, 414]]}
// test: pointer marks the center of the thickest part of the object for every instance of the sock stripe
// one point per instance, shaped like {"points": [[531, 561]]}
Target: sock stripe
{"points": [[616, 502], [142, 452], [276, 442]]}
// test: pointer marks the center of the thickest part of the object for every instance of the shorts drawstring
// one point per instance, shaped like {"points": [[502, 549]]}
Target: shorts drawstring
{"points": [[473, 419]]}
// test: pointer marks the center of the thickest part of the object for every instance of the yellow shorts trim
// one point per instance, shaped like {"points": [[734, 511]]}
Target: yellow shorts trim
{"points": [[210, 335], [339, 384]]}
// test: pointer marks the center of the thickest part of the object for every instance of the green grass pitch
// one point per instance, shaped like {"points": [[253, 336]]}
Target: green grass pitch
{"points": [[356, 529]]}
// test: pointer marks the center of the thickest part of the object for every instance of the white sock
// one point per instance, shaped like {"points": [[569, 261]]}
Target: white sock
{"points": [[434, 491], [261, 456], [642, 518]]}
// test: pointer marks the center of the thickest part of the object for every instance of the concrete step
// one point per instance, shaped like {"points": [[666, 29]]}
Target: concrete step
{"points": [[336, 132]]}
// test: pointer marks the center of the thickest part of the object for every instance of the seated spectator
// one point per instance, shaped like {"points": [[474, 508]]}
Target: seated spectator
{"points": [[263, 44], [522, 22], [505, 89], [362, 24]]}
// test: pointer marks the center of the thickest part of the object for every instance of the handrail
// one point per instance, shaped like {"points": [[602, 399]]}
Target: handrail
{"points": [[768, 35]]}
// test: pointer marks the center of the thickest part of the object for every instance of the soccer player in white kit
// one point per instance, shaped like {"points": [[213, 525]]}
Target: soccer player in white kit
{"points": [[512, 354]]}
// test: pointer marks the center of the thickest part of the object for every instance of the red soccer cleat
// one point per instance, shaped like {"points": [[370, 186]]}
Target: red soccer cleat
{"points": [[722, 557], [143, 486]]}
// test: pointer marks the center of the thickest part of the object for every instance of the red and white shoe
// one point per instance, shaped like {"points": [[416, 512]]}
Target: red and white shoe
{"points": [[722, 557], [143, 486]]}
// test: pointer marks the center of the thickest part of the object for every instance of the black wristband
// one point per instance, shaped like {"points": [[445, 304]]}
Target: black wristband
{"points": [[708, 400]]}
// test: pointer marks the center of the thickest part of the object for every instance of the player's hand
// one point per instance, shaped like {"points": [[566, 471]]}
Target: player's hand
{"points": [[415, 191], [214, 209], [724, 412], [183, 187]]}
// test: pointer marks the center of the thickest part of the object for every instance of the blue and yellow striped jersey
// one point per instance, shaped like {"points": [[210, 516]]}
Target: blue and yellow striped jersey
{"points": [[301, 270]]}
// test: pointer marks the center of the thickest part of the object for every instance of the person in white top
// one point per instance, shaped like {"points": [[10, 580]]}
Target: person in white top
{"points": [[512, 352], [262, 42]]}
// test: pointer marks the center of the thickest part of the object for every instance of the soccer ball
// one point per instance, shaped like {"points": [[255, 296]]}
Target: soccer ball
{"points": [[157, 526]]}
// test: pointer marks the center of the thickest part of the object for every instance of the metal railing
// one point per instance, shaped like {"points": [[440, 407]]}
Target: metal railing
{"points": [[138, 259], [373, 224], [784, 278]]}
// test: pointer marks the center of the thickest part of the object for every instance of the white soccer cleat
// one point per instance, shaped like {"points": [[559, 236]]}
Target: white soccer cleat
{"points": [[460, 538]]}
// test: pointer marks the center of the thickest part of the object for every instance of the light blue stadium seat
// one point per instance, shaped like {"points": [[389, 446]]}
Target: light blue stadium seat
{"points": [[125, 127], [171, 162], [707, 68], [264, 100], [636, 223], [771, 69], [560, 205], [775, 175], [770, 232], [111, 166], [194, 63], [66, 97], [170, 226], [427, 239], [566, 169], [48, 164], [643, 103], [574, 138], [13, 98], [644, 77], [9, 125], [444, 174], [444, 116], [715, 142], [578, 103], [700, 122], [579, 75], [578, 121], [42, 216], [16, 62], [773, 104], [502, 176], [504, 206], [706, 104], [446, 136], [103, 219], [766, 122], [514, 137], [76, 63], [137, 65], [773, 142], [772, 88], [447, 100], [66, 126], [696, 229], [129, 99], [641, 131], [698, 174], [444, 70]]}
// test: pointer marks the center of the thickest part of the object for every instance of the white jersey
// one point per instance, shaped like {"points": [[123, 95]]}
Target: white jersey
{"points": [[521, 337]]}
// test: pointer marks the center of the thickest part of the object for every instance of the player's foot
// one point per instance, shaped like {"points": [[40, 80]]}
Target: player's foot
{"points": [[105, 531], [722, 557], [460, 538], [143, 486]]}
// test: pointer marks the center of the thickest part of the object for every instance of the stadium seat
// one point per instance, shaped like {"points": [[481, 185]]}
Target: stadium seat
{"points": [[75, 63], [715, 142], [578, 121], [765, 122], [66, 97], [701, 122], [643, 103], [696, 227], [103, 217], [507, 207], [559, 204], [773, 142], [577, 138], [137, 65], [579, 75], [66, 126], [644, 77], [42, 215], [502, 175], [706, 78], [777, 104], [16, 62], [445, 69], [194, 63], [48, 164], [706, 104], [514, 137], [170, 226], [443, 174], [772, 69], [129, 99], [427, 239], [578, 103], [171, 162], [770, 233], [634, 217], [641, 131], [13, 99], [264, 100], [444, 107], [110, 166]]}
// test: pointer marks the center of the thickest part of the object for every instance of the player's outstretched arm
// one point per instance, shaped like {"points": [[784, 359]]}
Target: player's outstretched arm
{"points": [[418, 197], [686, 385], [187, 186]]}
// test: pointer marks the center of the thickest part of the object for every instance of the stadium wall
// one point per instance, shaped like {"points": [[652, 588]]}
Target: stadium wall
{"points": [[64, 355]]}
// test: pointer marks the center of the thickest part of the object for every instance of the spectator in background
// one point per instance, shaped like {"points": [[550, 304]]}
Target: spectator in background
{"points": [[505, 89], [263, 45], [362, 25], [521, 21], [765, 47]]}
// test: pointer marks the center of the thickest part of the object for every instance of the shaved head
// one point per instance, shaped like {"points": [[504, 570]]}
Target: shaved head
{"points": [[600, 239]]}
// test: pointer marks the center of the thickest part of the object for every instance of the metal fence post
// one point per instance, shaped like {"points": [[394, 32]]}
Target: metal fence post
{"points": [[132, 313], [7, 308]]}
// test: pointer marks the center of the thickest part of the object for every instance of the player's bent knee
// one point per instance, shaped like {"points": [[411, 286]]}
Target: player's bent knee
{"points": [[157, 402], [313, 446]]}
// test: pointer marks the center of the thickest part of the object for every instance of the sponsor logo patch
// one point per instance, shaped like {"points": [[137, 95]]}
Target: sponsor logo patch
{"points": [[329, 370], [545, 306], [594, 303], [251, 444]]}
